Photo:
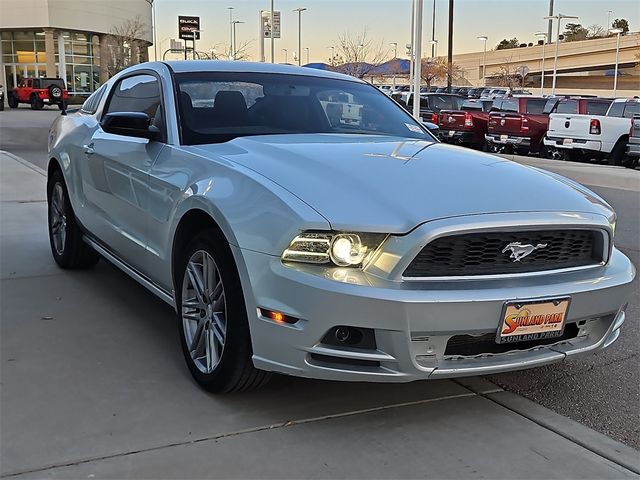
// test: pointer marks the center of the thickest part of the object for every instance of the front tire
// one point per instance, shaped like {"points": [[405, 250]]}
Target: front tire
{"points": [[12, 101], [36, 103], [65, 237], [214, 329]]}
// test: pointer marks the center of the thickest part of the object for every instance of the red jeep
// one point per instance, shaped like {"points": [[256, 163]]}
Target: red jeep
{"points": [[39, 92]]}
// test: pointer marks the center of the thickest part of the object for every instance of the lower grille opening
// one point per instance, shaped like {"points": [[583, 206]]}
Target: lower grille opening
{"points": [[333, 361], [468, 345]]}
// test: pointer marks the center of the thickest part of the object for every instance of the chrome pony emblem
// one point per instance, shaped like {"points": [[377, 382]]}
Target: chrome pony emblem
{"points": [[519, 250]]}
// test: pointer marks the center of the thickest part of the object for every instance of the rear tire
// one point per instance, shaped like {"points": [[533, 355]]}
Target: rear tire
{"points": [[65, 237], [618, 154], [213, 324], [12, 100]]}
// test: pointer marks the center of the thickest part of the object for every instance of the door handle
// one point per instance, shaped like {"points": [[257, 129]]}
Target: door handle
{"points": [[88, 149]]}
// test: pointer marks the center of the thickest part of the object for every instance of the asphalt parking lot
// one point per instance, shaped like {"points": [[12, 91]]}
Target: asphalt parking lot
{"points": [[93, 382]]}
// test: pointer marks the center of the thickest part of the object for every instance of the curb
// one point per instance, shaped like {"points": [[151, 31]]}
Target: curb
{"points": [[23, 162], [573, 431]]}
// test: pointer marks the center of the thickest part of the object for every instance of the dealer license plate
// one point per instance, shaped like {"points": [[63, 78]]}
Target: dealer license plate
{"points": [[451, 133], [533, 320], [567, 141], [503, 138]]}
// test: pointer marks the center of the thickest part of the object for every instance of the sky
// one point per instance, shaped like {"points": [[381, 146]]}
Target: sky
{"points": [[385, 21]]}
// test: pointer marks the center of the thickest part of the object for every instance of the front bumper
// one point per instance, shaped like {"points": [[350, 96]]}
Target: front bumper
{"points": [[508, 140], [573, 143], [413, 321]]}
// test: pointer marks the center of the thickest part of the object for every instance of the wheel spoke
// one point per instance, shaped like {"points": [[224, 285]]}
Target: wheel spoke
{"points": [[204, 311], [219, 328], [197, 342], [196, 281]]}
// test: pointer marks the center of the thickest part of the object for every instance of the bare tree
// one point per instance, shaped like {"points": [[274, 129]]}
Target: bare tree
{"points": [[360, 53], [507, 76], [124, 44], [224, 52], [596, 31], [432, 69]]}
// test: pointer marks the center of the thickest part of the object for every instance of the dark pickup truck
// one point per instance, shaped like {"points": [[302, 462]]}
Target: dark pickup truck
{"points": [[520, 123], [430, 104], [466, 126]]}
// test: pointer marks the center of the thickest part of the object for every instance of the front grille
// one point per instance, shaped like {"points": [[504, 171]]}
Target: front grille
{"points": [[482, 253], [468, 345]]}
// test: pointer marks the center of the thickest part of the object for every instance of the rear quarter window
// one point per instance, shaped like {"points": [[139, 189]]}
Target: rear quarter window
{"points": [[567, 106], [631, 108], [597, 108], [616, 109], [535, 105]]}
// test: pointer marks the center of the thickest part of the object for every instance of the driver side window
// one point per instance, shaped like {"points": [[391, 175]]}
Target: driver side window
{"points": [[139, 93]]}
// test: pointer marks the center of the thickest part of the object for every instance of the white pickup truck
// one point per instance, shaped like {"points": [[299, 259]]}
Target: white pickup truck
{"points": [[594, 136]]}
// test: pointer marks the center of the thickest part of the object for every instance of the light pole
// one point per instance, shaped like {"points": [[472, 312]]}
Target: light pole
{"points": [[484, 38], [395, 56], [434, 48], [286, 55], [543, 36], [417, 51], [230, 30], [299, 10], [235, 45], [273, 44], [609, 12], [307, 50], [617, 31], [559, 18]]}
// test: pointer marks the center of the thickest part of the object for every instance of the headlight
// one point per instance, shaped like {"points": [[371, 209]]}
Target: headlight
{"points": [[341, 249]]}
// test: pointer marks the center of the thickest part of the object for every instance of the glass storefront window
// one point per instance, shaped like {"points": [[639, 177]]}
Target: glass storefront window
{"points": [[24, 52]]}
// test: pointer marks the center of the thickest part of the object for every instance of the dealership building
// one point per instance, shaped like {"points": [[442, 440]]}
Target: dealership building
{"points": [[66, 39]]}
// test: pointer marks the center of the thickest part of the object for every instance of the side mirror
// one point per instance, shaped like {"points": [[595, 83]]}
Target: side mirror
{"points": [[130, 124]]}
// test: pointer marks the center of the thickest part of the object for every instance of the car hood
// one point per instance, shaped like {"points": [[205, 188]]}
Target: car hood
{"points": [[391, 184]]}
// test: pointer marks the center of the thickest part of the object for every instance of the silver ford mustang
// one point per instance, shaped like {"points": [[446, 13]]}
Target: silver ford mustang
{"points": [[302, 222]]}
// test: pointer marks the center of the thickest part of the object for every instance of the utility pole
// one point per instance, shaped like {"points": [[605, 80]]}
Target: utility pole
{"points": [[450, 47], [550, 27], [261, 36], [417, 49], [273, 45], [543, 36], [411, 47], [231, 49], [559, 18], [433, 31], [299, 10], [617, 31]]}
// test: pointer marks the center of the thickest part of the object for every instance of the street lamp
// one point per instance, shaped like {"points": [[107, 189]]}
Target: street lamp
{"points": [[230, 29], [235, 45], [307, 50], [542, 36], [434, 43], [559, 18], [299, 10], [286, 55], [395, 56], [617, 31], [484, 38], [333, 53]]}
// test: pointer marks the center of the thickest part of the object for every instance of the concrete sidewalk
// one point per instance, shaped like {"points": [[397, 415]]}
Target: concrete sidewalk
{"points": [[94, 385]]}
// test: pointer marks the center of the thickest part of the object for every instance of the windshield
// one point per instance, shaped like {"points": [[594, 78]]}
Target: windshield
{"points": [[219, 106]]}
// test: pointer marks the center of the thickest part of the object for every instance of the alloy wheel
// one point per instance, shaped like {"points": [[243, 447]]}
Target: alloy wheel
{"points": [[58, 219], [204, 311]]}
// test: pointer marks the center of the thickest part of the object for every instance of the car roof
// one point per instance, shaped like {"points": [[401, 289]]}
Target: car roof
{"points": [[184, 66]]}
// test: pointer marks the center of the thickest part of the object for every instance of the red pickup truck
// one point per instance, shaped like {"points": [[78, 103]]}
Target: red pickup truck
{"points": [[466, 126], [39, 92], [520, 123]]}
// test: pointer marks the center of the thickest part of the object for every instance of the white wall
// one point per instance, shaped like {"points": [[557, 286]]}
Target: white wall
{"points": [[97, 16]]}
